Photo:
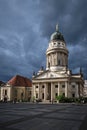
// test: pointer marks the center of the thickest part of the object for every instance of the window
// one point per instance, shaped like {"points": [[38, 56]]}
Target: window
{"points": [[73, 86], [54, 43], [36, 86], [43, 86], [42, 95], [64, 94], [49, 64], [36, 95], [15, 93], [56, 94], [56, 86], [5, 92], [73, 95], [22, 94], [30, 92], [58, 62], [63, 86]]}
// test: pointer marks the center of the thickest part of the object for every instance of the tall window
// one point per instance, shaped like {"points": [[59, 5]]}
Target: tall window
{"points": [[56, 86], [63, 86], [73, 86], [36, 95], [49, 64], [73, 95], [30, 92], [5, 92], [42, 95], [43, 86], [58, 62], [22, 96], [56, 94], [64, 94]]}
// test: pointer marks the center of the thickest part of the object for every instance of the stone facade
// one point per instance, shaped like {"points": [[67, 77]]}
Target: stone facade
{"points": [[57, 79], [19, 88], [20, 93], [85, 89]]}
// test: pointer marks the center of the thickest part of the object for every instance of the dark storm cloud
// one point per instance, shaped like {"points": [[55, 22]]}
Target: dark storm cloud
{"points": [[25, 29], [72, 19], [71, 16]]}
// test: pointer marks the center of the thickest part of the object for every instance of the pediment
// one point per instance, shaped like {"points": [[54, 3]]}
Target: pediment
{"points": [[50, 74]]}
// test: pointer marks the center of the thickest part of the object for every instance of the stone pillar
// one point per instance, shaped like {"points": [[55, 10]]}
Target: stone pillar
{"points": [[47, 62], [52, 92], [38, 91], [66, 89], [77, 95], [34, 90], [45, 92], [58, 88]]}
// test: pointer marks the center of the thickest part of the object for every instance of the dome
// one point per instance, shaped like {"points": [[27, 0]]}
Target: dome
{"points": [[57, 35]]}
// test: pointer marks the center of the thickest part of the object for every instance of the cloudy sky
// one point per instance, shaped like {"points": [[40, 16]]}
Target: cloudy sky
{"points": [[25, 29]]}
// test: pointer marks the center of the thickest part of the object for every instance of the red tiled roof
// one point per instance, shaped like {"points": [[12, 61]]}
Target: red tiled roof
{"points": [[20, 81]]}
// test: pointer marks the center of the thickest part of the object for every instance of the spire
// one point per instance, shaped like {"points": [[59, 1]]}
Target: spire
{"points": [[57, 27], [80, 70]]}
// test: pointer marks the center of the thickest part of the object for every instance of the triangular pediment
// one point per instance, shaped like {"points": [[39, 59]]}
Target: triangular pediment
{"points": [[50, 74]]}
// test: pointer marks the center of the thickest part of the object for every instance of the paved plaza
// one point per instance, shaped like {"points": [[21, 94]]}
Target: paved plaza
{"points": [[26, 116]]}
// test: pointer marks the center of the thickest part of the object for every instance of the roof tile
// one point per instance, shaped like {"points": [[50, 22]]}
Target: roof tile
{"points": [[20, 81]]}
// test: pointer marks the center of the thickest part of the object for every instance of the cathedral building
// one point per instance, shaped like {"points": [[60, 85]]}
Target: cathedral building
{"points": [[57, 79]]}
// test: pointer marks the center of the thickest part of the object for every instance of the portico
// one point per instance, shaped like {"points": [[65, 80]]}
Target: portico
{"points": [[49, 90]]}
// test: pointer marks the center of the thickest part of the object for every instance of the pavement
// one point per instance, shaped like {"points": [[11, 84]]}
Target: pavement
{"points": [[28, 116]]}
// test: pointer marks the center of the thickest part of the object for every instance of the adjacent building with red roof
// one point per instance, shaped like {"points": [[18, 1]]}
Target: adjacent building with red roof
{"points": [[17, 88]]}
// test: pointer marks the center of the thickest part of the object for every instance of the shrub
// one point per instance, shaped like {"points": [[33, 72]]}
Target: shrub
{"points": [[60, 98]]}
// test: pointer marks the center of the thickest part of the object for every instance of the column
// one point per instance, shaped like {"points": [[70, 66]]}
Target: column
{"points": [[58, 88], [66, 89], [76, 91], [45, 92], [34, 90], [47, 62], [52, 92], [38, 91]]}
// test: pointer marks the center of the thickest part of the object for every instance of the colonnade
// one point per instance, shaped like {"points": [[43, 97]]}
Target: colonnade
{"points": [[44, 90]]}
